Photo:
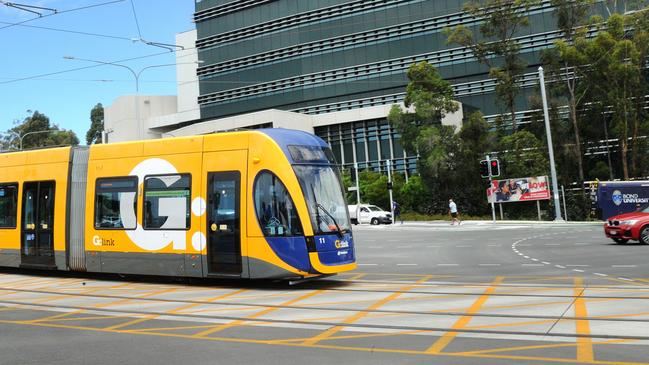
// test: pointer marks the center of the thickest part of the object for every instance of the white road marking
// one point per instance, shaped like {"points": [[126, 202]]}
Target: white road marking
{"points": [[464, 246], [545, 262], [489, 264], [560, 267], [598, 274], [448, 264], [624, 266], [531, 265], [627, 279], [406, 264], [553, 244], [577, 265], [577, 270]]}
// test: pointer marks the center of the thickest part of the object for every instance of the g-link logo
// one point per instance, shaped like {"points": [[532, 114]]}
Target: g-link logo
{"points": [[98, 241], [341, 244]]}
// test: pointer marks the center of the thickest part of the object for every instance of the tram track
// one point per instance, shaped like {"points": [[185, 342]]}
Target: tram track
{"points": [[366, 326], [183, 302]]}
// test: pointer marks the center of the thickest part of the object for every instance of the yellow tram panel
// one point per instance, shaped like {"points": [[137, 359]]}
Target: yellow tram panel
{"points": [[161, 158], [31, 166]]}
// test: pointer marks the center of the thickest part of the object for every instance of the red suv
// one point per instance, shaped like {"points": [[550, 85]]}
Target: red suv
{"points": [[629, 226]]}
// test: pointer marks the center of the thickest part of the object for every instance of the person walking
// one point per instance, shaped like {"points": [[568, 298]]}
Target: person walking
{"points": [[452, 212], [397, 212]]}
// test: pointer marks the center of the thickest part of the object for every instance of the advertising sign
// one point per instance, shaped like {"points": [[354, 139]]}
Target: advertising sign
{"points": [[618, 197], [519, 190]]}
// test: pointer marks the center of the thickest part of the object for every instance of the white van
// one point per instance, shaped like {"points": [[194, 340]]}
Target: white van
{"points": [[367, 213]]}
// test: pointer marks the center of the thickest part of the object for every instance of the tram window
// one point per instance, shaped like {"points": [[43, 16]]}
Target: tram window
{"points": [[166, 201], [276, 212], [110, 195], [8, 203], [312, 154]]}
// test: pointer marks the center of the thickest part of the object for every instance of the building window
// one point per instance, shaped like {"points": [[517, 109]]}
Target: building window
{"points": [[275, 210], [115, 202], [167, 202], [8, 203]]}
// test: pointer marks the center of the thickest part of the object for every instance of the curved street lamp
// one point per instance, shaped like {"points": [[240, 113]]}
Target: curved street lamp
{"points": [[21, 137], [136, 76]]}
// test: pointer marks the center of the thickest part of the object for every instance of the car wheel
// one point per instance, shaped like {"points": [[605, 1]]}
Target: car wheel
{"points": [[620, 240], [375, 221], [644, 235]]}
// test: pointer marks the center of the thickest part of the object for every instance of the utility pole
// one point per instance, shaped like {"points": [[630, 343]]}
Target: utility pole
{"points": [[548, 133], [493, 197], [389, 162], [358, 188]]}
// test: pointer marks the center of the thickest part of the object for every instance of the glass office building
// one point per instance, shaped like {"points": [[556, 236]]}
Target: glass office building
{"points": [[324, 56]]}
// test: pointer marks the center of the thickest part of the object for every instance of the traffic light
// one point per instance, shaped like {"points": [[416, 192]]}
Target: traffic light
{"points": [[484, 168], [389, 185], [495, 168]]}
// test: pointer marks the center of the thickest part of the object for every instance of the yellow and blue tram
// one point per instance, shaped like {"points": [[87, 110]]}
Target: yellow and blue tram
{"points": [[250, 204]]}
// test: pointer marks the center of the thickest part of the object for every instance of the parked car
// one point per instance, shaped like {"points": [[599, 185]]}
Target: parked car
{"points": [[367, 213], [629, 226]]}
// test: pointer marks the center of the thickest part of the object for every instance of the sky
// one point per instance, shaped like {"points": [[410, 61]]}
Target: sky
{"points": [[35, 76]]}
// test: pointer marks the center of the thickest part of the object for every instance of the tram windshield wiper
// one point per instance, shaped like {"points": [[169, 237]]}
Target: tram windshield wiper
{"points": [[338, 230]]}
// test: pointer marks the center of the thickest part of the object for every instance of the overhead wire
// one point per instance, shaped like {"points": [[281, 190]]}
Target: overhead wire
{"points": [[69, 31], [62, 12], [82, 68], [137, 23]]}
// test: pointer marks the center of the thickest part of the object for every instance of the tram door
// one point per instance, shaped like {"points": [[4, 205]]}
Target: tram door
{"points": [[223, 218], [37, 244]]}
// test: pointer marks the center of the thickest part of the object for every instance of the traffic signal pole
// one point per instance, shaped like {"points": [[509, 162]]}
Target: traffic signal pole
{"points": [[390, 190], [493, 198]]}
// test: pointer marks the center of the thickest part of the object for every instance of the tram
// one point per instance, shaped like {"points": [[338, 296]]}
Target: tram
{"points": [[252, 204]]}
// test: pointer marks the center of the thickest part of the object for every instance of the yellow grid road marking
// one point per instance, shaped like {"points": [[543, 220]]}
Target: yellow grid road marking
{"points": [[256, 315], [333, 347], [446, 339], [537, 347], [129, 323], [207, 301], [328, 333], [584, 344]]}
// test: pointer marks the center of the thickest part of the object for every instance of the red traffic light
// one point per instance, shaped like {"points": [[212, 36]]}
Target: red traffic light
{"points": [[494, 163]]}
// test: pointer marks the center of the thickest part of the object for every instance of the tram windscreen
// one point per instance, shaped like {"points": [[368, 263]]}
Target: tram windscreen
{"points": [[324, 197]]}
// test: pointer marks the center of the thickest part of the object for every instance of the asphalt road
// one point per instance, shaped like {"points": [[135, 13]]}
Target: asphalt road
{"points": [[479, 252], [433, 294]]}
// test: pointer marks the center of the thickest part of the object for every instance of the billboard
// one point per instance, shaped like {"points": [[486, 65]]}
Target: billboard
{"points": [[519, 190]]}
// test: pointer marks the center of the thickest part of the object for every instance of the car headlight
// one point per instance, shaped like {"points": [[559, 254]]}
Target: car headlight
{"points": [[630, 222]]}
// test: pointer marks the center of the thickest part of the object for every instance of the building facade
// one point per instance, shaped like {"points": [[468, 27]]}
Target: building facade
{"points": [[324, 56], [337, 66]]}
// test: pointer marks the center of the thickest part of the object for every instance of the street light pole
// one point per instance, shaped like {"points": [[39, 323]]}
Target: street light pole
{"points": [[21, 137], [136, 76], [548, 133]]}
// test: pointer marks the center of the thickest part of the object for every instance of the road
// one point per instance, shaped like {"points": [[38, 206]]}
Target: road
{"points": [[434, 294]]}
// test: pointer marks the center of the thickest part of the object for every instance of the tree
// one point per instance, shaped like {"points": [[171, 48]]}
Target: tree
{"points": [[96, 125], [430, 96], [498, 48], [614, 80], [524, 155], [571, 16], [36, 131]]}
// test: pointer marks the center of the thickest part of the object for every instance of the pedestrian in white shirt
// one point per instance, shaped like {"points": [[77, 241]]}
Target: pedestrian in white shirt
{"points": [[452, 212]]}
